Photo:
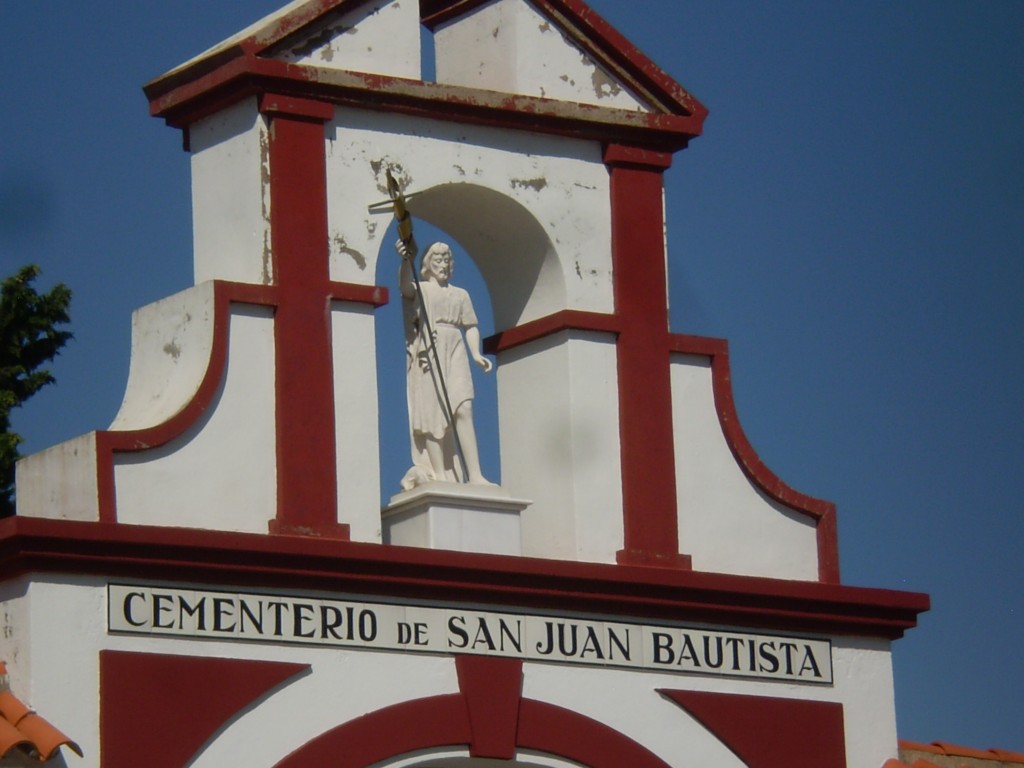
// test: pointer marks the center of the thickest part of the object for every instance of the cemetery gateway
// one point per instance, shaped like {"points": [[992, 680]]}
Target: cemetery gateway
{"points": [[216, 578]]}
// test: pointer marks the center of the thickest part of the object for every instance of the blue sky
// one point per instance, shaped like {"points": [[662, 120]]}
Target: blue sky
{"points": [[852, 221]]}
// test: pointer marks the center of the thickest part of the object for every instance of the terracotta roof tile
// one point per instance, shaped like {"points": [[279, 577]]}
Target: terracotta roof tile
{"points": [[11, 737], [894, 763], [21, 728], [956, 751], [11, 708], [919, 746], [947, 754], [45, 737]]}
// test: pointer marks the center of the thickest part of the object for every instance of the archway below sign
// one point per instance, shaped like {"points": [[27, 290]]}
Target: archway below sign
{"points": [[460, 759]]}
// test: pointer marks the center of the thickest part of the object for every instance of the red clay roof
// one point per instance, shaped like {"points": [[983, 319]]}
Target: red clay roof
{"points": [[23, 729], [941, 754]]}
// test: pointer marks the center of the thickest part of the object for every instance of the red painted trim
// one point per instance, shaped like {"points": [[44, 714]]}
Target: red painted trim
{"points": [[374, 295], [650, 523], [566, 320], [307, 494], [247, 76], [158, 710], [182, 75], [292, 24], [610, 48], [260, 41], [325, 530], [605, 45], [223, 80], [619, 156], [769, 732], [823, 512], [455, 719], [276, 104], [492, 689], [434, 13], [110, 443], [438, 721], [557, 731], [181, 555]]}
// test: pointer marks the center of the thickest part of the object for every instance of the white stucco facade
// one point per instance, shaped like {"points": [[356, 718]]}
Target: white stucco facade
{"points": [[244, 461], [348, 683]]}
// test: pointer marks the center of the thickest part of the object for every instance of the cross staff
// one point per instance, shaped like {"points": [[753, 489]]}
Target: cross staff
{"points": [[409, 250]]}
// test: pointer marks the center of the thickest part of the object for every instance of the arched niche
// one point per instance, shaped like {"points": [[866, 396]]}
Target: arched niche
{"points": [[557, 415], [511, 249], [391, 356]]}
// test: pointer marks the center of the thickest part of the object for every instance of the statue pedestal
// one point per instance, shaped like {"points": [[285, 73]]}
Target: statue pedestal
{"points": [[465, 518]]}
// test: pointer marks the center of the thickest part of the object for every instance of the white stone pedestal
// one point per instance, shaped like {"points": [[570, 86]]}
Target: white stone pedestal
{"points": [[465, 518]]}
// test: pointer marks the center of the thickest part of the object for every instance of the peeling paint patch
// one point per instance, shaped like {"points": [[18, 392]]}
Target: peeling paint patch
{"points": [[535, 184], [371, 228], [496, 32], [173, 350], [567, 79], [380, 167], [604, 86], [266, 274], [342, 247], [460, 170], [579, 272], [545, 27]]}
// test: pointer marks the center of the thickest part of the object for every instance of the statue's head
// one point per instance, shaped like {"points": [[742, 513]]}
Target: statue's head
{"points": [[438, 263]]}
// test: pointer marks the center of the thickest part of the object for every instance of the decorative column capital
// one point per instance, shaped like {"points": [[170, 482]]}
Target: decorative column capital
{"points": [[295, 107], [624, 156]]}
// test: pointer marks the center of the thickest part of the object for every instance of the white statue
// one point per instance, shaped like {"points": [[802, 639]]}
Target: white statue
{"points": [[439, 382]]}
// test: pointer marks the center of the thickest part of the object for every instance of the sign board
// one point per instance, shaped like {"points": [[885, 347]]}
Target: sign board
{"points": [[248, 616]]}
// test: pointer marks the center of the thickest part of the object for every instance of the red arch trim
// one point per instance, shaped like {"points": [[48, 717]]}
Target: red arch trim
{"points": [[470, 719], [437, 721], [557, 731], [442, 721]]}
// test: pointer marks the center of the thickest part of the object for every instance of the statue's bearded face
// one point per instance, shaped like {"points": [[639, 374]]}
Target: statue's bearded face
{"points": [[439, 265]]}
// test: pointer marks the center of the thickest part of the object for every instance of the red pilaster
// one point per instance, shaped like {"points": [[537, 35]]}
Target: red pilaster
{"points": [[645, 396], [306, 471]]}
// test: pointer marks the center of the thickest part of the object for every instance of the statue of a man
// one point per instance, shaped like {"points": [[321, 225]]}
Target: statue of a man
{"points": [[439, 382]]}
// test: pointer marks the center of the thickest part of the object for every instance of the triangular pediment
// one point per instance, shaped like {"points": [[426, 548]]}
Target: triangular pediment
{"points": [[557, 50], [575, 54], [512, 47], [373, 36]]}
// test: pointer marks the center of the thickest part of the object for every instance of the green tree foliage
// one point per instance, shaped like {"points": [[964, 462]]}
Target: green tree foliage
{"points": [[29, 339]]}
